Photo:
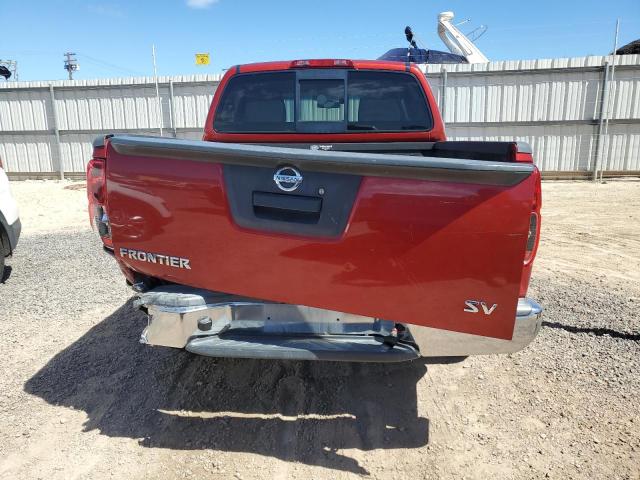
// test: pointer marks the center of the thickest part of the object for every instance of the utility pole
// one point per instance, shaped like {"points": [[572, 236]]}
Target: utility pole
{"points": [[71, 64], [155, 76]]}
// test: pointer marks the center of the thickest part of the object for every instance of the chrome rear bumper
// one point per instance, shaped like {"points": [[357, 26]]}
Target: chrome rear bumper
{"points": [[216, 324], [434, 342]]}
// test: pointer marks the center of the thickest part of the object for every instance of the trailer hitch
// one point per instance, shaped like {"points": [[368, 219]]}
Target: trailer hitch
{"points": [[399, 335]]}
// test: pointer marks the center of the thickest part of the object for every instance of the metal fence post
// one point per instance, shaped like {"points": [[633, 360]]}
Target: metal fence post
{"points": [[172, 115], [56, 131], [443, 101], [604, 111], [611, 109]]}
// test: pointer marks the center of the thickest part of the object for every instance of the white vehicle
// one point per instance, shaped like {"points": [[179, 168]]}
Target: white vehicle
{"points": [[10, 225]]}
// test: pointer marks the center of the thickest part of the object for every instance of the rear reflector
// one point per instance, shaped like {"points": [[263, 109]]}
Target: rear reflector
{"points": [[322, 63], [532, 237], [101, 221]]}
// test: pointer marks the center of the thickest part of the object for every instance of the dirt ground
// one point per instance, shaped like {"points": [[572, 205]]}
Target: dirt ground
{"points": [[80, 398]]}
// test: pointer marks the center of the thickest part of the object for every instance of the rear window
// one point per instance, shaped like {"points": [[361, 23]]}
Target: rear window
{"points": [[356, 101], [386, 101], [258, 103], [321, 101]]}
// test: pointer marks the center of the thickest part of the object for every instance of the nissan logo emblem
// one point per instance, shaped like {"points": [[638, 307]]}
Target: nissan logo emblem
{"points": [[287, 179]]}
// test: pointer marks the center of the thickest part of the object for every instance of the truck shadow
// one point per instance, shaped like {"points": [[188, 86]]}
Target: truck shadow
{"points": [[295, 411]]}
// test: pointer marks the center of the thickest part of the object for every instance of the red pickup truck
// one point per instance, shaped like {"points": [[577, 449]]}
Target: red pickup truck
{"points": [[324, 215]]}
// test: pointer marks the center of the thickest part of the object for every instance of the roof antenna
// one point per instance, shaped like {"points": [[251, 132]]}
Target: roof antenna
{"points": [[412, 41], [409, 34]]}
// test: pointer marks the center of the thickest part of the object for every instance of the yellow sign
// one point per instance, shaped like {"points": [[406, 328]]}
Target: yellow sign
{"points": [[202, 59]]}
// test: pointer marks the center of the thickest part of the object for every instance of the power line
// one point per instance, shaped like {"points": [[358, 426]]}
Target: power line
{"points": [[110, 65]]}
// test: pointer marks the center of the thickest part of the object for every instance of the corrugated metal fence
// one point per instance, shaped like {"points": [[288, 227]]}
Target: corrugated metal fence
{"points": [[556, 105], [47, 127]]}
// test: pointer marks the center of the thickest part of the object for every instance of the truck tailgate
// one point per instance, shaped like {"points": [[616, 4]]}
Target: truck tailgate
{"points": [[404, 238]]}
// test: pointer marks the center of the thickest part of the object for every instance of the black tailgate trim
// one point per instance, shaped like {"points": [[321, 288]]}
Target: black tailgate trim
{"points": [[369, 164], [256, 202]]}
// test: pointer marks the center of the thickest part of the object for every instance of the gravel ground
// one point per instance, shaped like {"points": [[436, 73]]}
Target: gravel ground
{"points": [[80, 398]]}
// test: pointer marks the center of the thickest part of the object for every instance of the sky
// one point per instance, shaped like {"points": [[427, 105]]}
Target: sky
{"points": [[114, 38]]}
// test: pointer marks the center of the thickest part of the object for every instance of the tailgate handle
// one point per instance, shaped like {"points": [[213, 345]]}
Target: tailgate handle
{"points": [[288, 208]]}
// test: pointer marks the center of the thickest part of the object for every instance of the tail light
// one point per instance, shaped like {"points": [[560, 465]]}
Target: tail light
{"points": [[322, 63], [533, 235], [96, 180], [96, 194], [1, 164], [521, 153]]}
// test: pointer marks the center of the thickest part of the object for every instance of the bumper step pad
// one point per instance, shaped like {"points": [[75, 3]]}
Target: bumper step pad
{"points": [[337, 348]]}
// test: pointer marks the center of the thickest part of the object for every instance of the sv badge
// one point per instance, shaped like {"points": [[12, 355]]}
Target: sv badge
{"points": [[474, 306]]}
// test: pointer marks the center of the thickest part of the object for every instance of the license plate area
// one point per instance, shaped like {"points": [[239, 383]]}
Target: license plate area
{"points": [[281, 319]]}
